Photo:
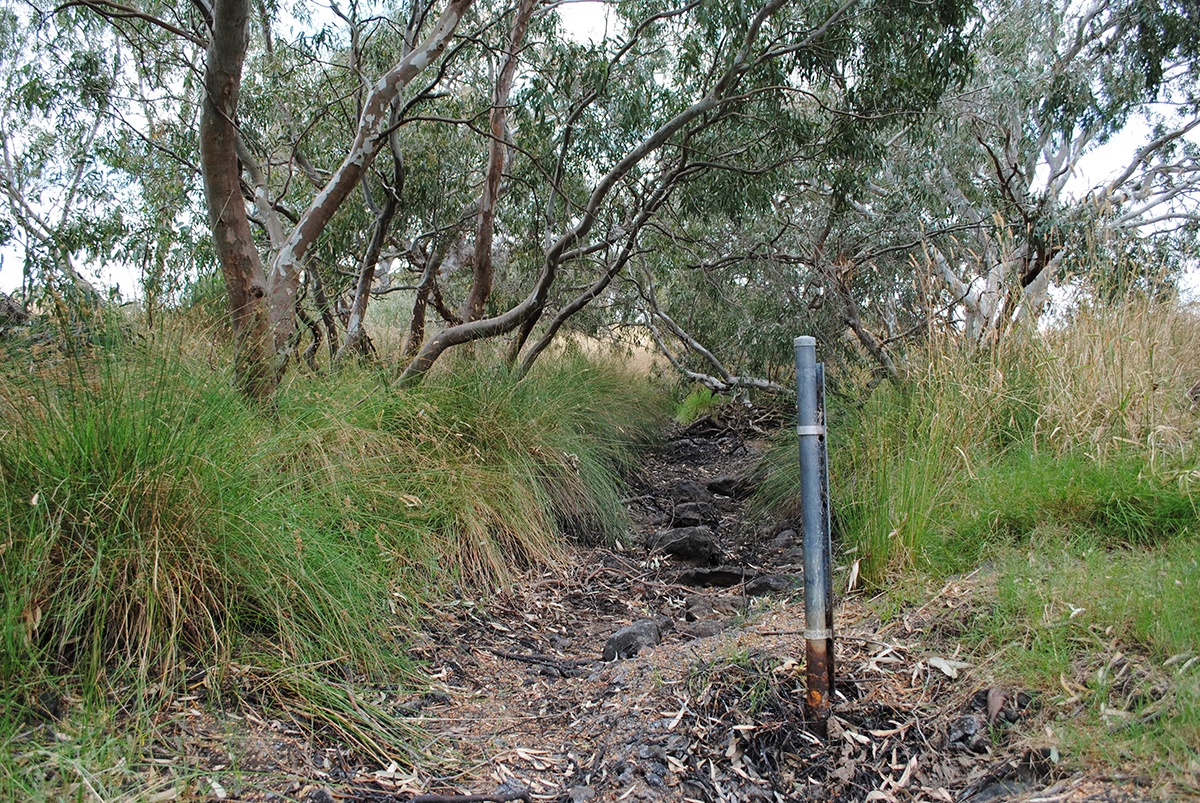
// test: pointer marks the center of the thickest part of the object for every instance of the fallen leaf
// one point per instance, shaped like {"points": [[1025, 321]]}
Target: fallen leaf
{"points": [[852, 583], [163, 796], [995, 701]]}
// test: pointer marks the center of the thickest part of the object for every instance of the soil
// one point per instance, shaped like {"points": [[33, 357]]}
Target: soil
{"points": [[523, 706]]}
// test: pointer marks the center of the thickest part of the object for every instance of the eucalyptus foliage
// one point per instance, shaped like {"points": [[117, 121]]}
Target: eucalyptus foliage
{"points": [[717, 176]]}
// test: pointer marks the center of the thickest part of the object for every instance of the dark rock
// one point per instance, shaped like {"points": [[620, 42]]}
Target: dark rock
{"points": [[714, 576], [320, 795], [689, 491], [784, 540], [770, 584], [692, 514], [627, 641], [655, 773], [697, 607], [794, 556], [732, 485], [705, 628], [730, 606], [692, 544], [969, 732]]}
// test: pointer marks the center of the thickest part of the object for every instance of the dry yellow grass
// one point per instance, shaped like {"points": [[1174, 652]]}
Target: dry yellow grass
{"points": [[1120, 375]]}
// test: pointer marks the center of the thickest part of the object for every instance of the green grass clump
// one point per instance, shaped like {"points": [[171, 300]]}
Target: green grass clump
{"points": [[1085, 432], [697, 404], [1108, 637], [153, 522]]}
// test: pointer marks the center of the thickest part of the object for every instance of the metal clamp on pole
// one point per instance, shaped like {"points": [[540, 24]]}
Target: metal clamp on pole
{"points": [[818, 612]]}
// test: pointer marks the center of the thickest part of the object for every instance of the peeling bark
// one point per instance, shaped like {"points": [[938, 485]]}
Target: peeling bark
{"points": [[237, 254], [485, 230]]}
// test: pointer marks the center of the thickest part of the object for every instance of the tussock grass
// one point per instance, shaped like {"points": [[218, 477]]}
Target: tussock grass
{"points": [[152, 522], [1065, 462], [1118, 376], [1086, 430]]}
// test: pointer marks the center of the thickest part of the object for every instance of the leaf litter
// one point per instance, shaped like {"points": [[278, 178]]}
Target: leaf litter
{"points": [[520, 705]]}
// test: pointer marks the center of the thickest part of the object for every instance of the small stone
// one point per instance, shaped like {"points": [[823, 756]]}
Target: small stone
{"points": [[784, 540], [769, 584], [693, 544], [629, 640], [794, 556], [649, 751], [969, 732], [581, 794], [697, 607], [677, 744]]}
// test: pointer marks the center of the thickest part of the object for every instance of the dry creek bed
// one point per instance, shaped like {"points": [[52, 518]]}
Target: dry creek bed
{"points": [[673, 670]]}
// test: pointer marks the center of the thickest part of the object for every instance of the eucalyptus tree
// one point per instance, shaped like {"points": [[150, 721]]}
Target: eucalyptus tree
{"points": [[61, 205], [723, 114], [959, 220], [1057, 81], [525, 169]]}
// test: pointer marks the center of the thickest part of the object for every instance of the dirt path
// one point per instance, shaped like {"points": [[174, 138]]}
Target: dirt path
{"points": [[702, 701], [713, 710]]}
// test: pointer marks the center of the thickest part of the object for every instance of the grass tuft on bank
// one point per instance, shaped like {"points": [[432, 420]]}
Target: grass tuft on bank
{"points": [[1085, 433], [156, 525], [1064, 467]]}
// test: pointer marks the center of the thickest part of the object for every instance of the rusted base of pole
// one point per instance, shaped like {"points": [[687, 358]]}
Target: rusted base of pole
{"points": [[818, 655]]}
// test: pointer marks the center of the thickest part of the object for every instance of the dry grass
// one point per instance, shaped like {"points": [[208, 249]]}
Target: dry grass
{"points": [[1120, 376]]}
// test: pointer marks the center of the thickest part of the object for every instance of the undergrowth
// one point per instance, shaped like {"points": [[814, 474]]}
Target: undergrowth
{"points": [[1109, 638], [1087, 431], [155, 525], [1065, 465], [698, 403]]}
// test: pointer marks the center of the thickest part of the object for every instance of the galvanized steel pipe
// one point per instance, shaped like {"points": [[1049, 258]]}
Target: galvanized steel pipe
{"points": [[818, 611]]}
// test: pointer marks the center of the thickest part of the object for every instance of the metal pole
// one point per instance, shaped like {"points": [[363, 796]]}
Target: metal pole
{"points": [[818, 631]]}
